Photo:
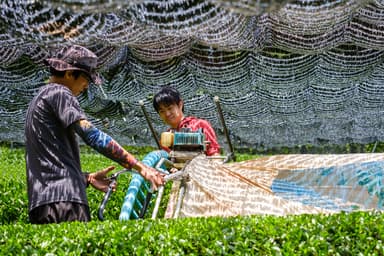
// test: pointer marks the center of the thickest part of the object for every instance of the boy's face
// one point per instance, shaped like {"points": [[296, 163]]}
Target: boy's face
{"points": [[171, 114]]}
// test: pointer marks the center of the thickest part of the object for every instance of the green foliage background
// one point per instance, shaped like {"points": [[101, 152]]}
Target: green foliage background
{"points": [[357, 233]]}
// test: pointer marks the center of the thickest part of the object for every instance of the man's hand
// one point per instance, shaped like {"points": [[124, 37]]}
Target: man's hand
{"points": [[99, 179], [155, 177]]}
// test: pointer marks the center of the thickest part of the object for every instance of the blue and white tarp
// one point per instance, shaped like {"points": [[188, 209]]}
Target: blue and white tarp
{"points": [[282, 185]]}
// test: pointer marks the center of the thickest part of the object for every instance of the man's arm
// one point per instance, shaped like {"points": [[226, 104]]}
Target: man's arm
{"points": [[107, 146], [104, 144]]}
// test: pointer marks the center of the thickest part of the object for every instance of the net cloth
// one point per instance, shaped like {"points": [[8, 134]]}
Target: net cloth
{"points": [[281, 185], [287, 72]]}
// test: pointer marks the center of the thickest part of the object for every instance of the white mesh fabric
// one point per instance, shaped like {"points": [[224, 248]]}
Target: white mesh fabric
{"points": [[286, 72]]}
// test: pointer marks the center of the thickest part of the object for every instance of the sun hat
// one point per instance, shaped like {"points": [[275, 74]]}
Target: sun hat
{"points": [[76, 57]]}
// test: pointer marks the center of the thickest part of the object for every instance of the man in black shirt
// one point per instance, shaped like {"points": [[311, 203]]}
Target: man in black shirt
{"points": [[56, 184]]}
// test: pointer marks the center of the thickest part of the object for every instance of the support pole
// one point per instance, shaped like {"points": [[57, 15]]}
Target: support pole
{"points": [[219, 110], [158, 201], [180, 199], [149, 123], [374, 147]]}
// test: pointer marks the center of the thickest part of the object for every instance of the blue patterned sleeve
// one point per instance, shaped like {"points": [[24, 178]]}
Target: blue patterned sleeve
{"points": [[104, 144]]}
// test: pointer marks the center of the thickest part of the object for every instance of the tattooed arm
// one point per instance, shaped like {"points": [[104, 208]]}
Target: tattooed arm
{"points": [[104, 144], [107, 146]]}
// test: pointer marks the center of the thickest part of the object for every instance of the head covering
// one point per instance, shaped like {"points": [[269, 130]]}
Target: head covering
{"points": [[76, 57]]}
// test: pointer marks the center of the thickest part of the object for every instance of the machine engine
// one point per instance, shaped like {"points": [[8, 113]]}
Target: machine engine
{"points": [[184, 145]]}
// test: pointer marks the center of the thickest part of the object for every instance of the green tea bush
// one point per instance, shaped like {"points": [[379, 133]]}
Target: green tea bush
{"points": [[13, 190], [357, 233], [13, 186]]}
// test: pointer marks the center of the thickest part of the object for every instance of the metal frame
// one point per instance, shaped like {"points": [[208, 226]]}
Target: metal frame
{"points": [[141, 187]]}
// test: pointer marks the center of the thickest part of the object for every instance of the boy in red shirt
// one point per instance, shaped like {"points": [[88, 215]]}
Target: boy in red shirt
{"points": [[168, 103]]}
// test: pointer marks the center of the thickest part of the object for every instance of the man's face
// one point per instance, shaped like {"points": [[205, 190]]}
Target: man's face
{"points": [[171, 114], [79, 84]]}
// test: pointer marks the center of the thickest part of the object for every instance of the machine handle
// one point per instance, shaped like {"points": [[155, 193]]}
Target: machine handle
{"points": [[105, 200], [107, 195]]}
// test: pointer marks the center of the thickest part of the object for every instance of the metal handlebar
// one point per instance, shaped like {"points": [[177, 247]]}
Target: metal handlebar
{"points": [[180, 175], [113, 179]]}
